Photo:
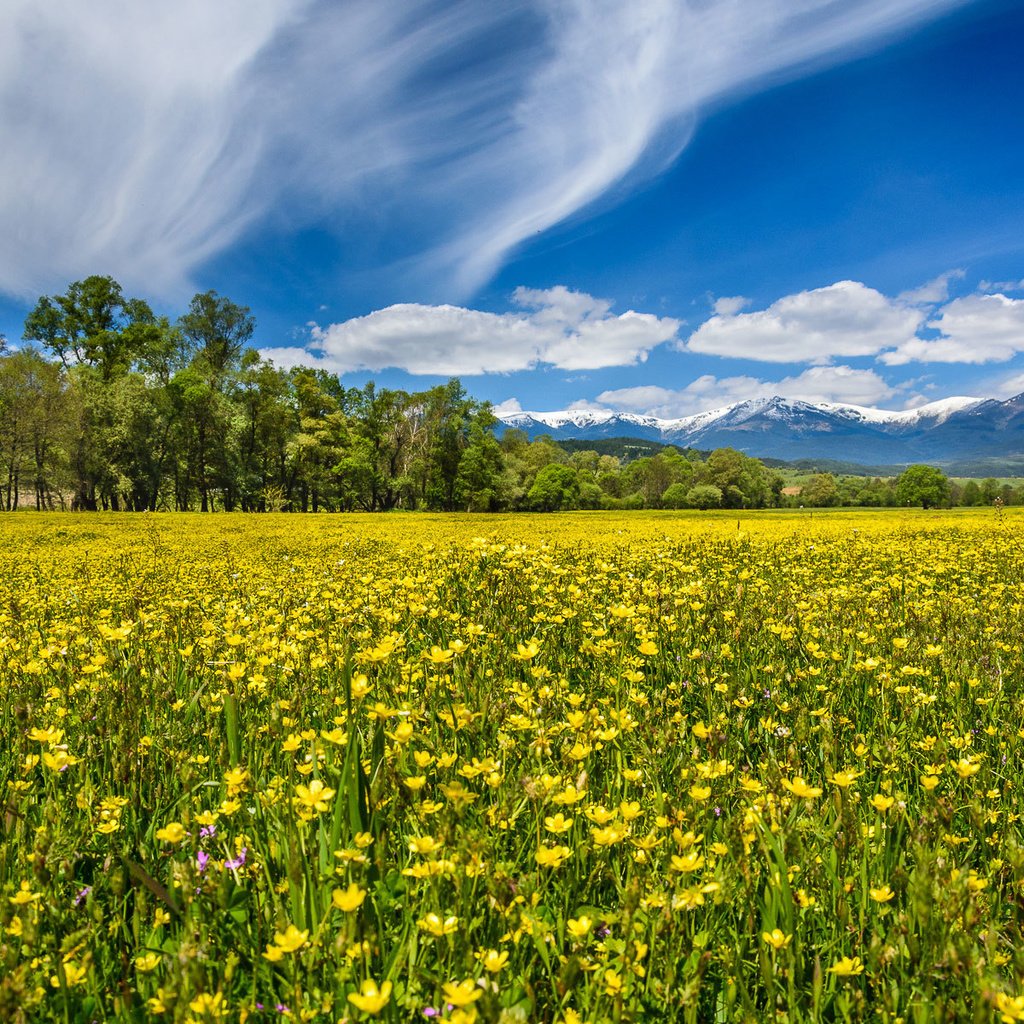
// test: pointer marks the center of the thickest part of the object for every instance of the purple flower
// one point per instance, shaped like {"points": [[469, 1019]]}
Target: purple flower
{"points": [[429, 1011], [82, 894], [201, 860], [236, 862], [207, 831]]}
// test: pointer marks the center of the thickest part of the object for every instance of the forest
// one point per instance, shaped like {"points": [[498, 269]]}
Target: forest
{"points": [[108, 406]]}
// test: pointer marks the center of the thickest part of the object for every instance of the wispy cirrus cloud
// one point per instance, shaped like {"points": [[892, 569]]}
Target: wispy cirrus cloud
{"points": [[142, 139]]}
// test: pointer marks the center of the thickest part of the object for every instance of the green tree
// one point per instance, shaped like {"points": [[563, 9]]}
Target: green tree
{"points": [[556, 488], [218, 331], [971, 494], [99, 336], [704, 496], [675, 496], [820, 491], [93, 324], [922, 485], [38, 422]]}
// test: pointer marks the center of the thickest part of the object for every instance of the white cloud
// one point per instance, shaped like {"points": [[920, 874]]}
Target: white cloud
{"points": [[936, 290], [142, 139], [972, 329], [508, 407], [124, 149], [567, 329], [841, 320], [730, 306], [817, 384], [1008, 387], [1001, 286]]}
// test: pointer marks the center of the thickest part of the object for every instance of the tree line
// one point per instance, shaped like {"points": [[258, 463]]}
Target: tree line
{"points": [[108, 406]]}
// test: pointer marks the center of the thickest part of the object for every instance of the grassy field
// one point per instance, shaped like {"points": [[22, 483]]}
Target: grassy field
{"points": [[586, 767]]}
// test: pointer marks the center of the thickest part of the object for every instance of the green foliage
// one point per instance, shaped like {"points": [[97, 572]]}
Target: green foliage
{"points": [[704, 496], [922, 485], [556, 488]]}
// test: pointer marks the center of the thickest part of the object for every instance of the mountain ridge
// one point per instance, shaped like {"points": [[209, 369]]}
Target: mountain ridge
{"points": [[940, 432]]}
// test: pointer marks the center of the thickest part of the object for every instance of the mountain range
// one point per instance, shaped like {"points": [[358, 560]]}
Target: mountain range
{"points": [[942, 433]]}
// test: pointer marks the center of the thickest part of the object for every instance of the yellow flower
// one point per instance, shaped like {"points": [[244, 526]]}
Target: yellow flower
{"points": [[462, 993], [700, 793], [965, 768], [609, 836], [206, 1005], [291, 939], [845, 778], [798, 787], [612, 982], [424, 844], [350, 899], [74, 974], [846, 967], [173, 832], [24, 895], [558, 823], [147, 962], [527, 652], [552, 856], [579, 926], [929, 782], [436, 926], [492, 960], [1011, 1008], [648, 648], [438, 656], [312, 799], [882, 803], [882, 894], [692, 861], [371, 999], [776, 938]]}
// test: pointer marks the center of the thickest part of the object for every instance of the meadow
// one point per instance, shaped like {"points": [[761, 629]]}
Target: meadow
{"points": [[574, 768]]}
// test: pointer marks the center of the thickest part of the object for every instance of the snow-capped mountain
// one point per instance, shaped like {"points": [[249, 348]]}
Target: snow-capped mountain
{"points": [[940, 432]]}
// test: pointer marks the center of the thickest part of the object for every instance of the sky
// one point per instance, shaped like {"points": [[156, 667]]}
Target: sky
{"points": [[658, 207]]}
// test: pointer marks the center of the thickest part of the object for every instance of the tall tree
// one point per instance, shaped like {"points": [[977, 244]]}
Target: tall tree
{"points": [[218, 330], [921, 485], [93, 324]]}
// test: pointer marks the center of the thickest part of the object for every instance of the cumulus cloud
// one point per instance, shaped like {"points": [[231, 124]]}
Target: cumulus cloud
{"points": [[841, 320], [142, 139], [934, 291], [556, 326], [730, 306], [841, 384], [508, 407], [972, 329]]}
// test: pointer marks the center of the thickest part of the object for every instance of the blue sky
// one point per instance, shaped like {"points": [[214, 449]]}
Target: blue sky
{"points": [[652, 207]]}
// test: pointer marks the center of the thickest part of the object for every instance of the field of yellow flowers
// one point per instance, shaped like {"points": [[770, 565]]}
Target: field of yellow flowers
{"points": [[576, 768]]}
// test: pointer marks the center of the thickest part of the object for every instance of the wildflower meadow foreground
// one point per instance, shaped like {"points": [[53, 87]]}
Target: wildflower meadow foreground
{"points": [[588, 767]]}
